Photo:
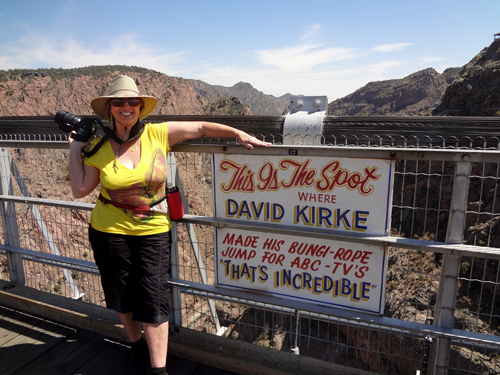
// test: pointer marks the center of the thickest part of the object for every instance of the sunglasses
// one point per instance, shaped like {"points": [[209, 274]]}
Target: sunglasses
{"points": [[121, 102]]}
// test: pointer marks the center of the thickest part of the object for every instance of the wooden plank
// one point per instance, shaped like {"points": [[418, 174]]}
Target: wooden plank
{"points": [[62, 309], [248, 359], [16, 324], [30, 345], [5, 311], [114, 356], [68, 356], [207, 370], [121, 368], [181, 366]]}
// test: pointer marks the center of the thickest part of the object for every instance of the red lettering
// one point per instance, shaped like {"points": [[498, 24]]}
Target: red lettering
{"points": [[273, 258], [305, 264], [229, 238], [332, 176], [338, 253], [361, 272], [315, 264], [365, 257], [347, 268], [301, 176], [352, 256], [268, 177], [239, 240], [242, 179], [327, 198], [295, 263]]}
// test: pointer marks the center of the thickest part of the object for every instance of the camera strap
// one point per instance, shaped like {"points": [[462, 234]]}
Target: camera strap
{"points": [[96, 148], [136, 132]]}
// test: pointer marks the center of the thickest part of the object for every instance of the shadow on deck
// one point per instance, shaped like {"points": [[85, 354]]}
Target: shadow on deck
{"points": [[43, 333], [32, 345]]}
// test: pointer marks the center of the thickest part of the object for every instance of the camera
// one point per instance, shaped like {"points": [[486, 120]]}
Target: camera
{"points": [[83, 126]]}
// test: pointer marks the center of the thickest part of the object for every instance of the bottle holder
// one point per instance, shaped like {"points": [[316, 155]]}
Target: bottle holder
{"points": [[174, 200]]}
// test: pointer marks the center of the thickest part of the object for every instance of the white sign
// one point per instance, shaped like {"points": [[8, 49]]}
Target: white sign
{"points": [[331, 273], [330, 194]]}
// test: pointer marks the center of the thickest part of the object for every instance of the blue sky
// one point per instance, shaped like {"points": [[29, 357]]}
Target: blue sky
{"points": [[300, 47]]}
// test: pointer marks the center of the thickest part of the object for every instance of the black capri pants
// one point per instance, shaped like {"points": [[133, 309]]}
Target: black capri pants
{"points": [[134, 273]]}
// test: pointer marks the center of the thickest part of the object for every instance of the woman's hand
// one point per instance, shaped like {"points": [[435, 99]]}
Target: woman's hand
{"points": [[249, 141], [73, 144]]}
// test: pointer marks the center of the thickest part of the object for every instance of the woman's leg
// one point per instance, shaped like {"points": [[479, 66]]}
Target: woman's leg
{"points": [[153, 292], [113, 255], [139, 361], [157, 337], [132, 328]]}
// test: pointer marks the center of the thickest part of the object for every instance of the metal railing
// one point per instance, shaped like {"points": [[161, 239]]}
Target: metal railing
{"points": [[441, 310]]}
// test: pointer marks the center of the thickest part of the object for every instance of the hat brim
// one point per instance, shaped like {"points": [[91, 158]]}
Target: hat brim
{"points": [[99, 105]]}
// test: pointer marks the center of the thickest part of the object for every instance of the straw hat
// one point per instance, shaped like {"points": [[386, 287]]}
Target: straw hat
{"points": [[123, 87]]}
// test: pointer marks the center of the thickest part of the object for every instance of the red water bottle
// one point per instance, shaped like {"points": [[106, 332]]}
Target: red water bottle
{"points": [[174, 201]]}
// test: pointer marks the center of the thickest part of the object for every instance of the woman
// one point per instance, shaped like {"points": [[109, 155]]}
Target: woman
{"points": [[132, 247]]}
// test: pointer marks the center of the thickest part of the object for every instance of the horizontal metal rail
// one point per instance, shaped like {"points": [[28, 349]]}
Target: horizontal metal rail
{"points": [[390, 153], [461, 131], [328, 234], [257, 119], [48, 202], [52, 259], [267, 301], [336, 235]]}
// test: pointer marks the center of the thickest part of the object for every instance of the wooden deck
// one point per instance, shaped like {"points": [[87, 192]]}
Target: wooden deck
{"points": [[31, 345], [43, 333]]}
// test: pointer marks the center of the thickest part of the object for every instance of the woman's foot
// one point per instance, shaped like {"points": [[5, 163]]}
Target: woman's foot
{"points": [[159, 371], [139, 362]]}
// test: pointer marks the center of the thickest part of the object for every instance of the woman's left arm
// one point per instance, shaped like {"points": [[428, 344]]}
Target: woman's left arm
{"points": [[179, 131]]}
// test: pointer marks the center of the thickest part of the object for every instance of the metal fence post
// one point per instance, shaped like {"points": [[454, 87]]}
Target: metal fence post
{"points": [[9, 219], [448, 284]]}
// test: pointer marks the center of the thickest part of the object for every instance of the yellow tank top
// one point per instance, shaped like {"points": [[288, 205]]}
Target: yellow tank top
{"points": [[141, 186]]}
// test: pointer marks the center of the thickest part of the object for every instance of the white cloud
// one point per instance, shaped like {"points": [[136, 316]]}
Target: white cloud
{"points": [[311, 32], [391, 47], [303, 57], [33, 51], [380, 68], [431, 59]]}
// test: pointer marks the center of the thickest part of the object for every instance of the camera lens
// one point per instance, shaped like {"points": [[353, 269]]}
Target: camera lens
{"points": [[64, 117]]}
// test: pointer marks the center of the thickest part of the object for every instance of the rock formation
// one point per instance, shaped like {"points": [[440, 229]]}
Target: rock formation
{"points": [[227, 106], [476, 90], [259, 103], [414, 95], [36, 95]]}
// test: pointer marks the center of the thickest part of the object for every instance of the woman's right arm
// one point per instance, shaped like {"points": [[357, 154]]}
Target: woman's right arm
{"points": [[83, 178]]}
